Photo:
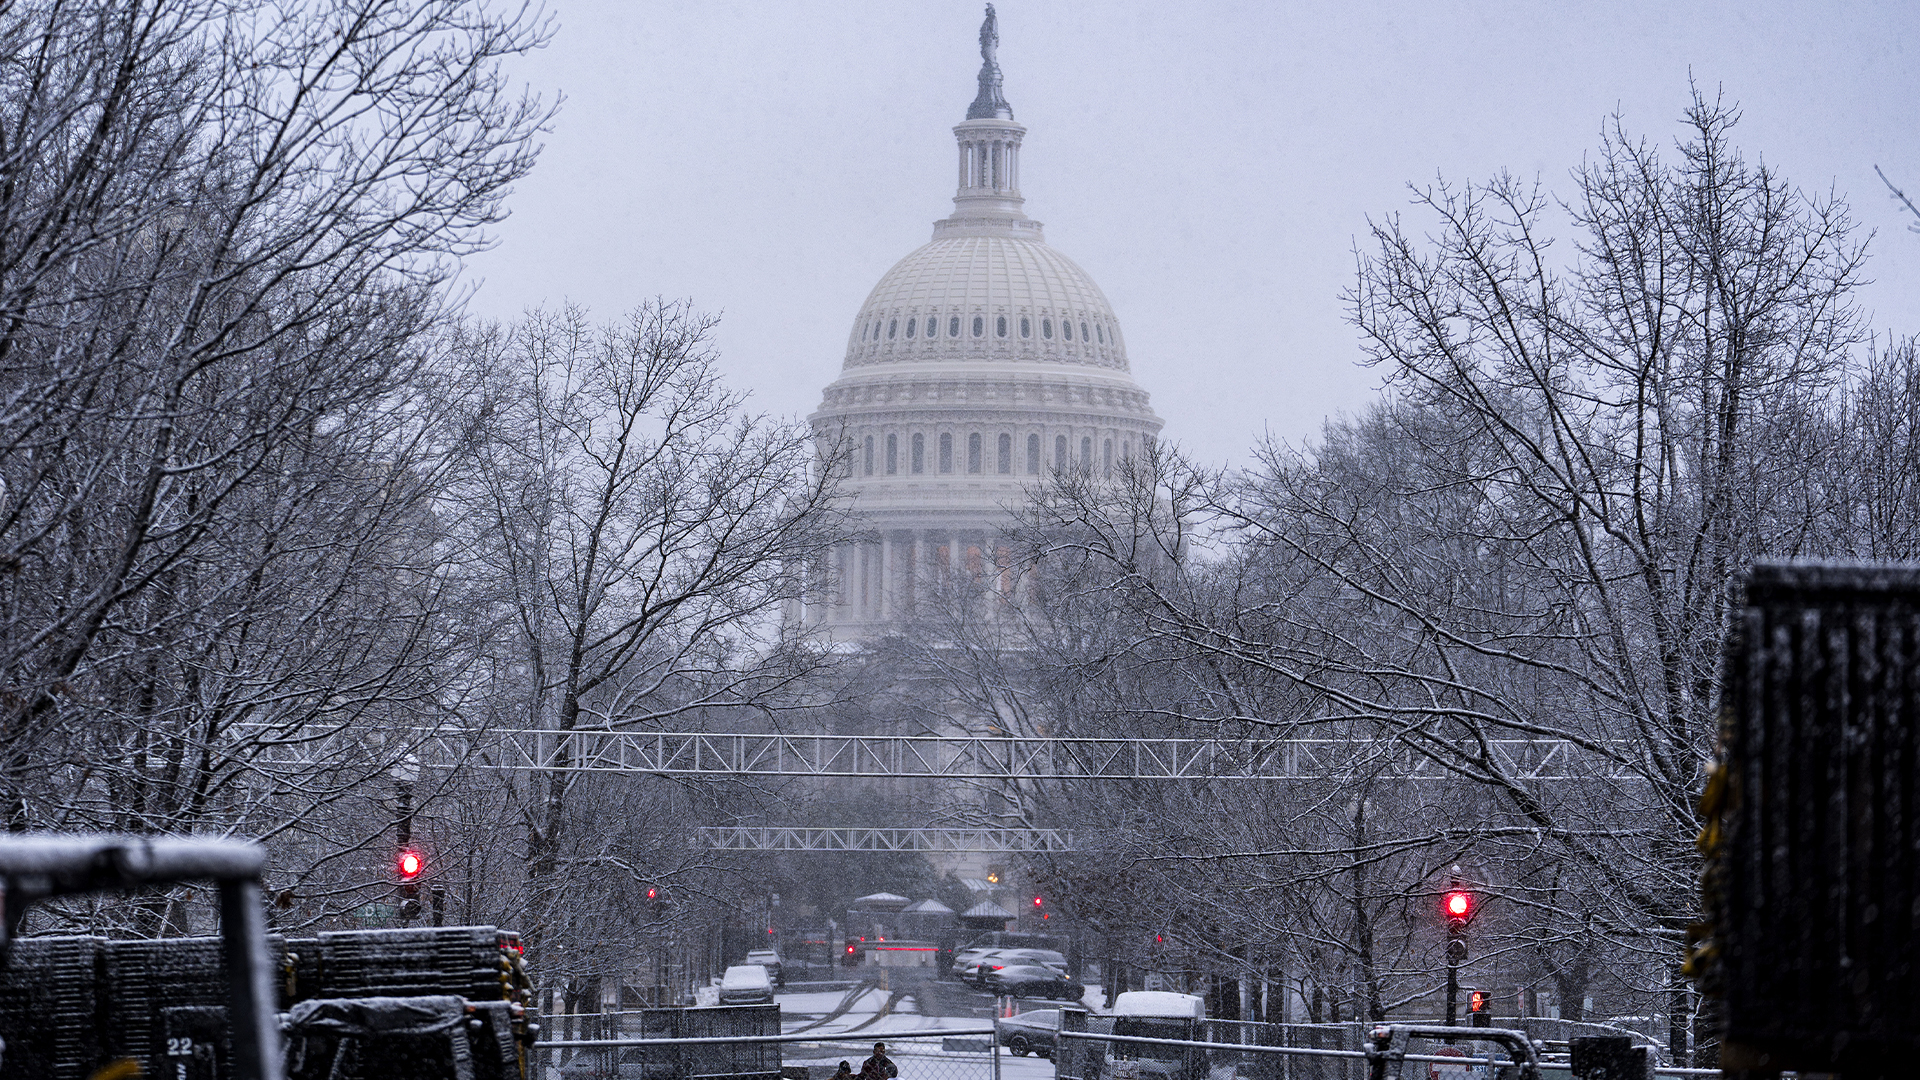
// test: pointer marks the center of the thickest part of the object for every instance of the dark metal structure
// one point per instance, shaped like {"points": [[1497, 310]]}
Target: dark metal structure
{"points": [[1812, 825], [440, 1003], [34, 868]]}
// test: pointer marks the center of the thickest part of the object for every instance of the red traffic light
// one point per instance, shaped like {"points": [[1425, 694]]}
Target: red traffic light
{"points": [[411, 863], [1458, 905], [653, 893], [1036, 901]]}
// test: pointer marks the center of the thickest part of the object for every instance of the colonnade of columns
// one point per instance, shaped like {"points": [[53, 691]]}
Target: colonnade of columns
{"points": [[993, 164], [885, 579]]}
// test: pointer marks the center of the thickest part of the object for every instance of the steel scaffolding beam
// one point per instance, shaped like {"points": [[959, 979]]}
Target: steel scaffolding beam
{"points": [[967, 758], [781, 838]]}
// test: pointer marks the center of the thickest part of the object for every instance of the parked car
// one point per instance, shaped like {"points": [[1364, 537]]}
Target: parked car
{"points": [[1032, 980], [1033, 1032], [975, 971], [1043, 957], [746, 984], [966, 960], [770, 960]]}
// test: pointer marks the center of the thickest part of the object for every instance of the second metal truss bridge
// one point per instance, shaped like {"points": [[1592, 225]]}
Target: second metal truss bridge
{"points": [[970, 758]]}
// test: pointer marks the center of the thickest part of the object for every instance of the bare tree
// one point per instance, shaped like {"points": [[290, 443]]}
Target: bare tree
{"points": [[1901, 198], [227, 232], [645, 536], [1532, 539], [1538, 538]]}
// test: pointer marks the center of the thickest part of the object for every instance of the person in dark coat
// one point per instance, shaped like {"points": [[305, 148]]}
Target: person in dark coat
{"points": [[879, 1066], [845, 1072]]}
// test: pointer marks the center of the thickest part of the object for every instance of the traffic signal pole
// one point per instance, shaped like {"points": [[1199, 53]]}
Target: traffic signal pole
{"points": [[403, 838], [1457, 907], [1453, 984]]}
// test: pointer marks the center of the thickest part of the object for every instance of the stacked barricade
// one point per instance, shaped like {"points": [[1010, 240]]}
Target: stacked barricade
{"points": [[49, 999], [69, 1005]]}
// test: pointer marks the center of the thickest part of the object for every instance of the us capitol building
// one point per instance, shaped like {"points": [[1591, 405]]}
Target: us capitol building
{"points": [[981, 362]]}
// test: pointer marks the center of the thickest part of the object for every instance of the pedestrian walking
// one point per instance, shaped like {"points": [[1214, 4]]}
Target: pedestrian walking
{"points": [[879, 1066]]}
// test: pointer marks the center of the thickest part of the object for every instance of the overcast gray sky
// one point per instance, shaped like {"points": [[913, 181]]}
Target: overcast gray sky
{"points": [[1211, 165]]}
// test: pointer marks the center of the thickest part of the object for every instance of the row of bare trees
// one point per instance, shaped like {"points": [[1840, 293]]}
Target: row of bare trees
{"points": [[275, 517], [1598, 409], [226, 236]]}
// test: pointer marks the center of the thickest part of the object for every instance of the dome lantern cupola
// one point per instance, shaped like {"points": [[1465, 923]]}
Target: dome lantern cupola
{"points": [[988, 200]]}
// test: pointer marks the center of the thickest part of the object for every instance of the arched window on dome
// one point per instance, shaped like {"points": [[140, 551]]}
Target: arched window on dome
{"points": [[1066, 329], [1033, 455], [1083, 331], [1086, 455], [1005, 457], [1000, 326], [919, 453], [1100, 332], [946, 451], [1046, 329], [979, 326], [953, 326], [933, 326], [868, 464], [893, 454], [973, 452], [863, 333], [912, 324], [893, 326], [1060, 453], [1026, 327]]}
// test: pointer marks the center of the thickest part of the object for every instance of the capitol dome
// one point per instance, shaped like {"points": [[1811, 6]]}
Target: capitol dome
{"points": [[981, 296], [978, 366]]}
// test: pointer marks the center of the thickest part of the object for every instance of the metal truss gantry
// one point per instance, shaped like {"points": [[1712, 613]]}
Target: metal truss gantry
{"points": [[935, 840], [1005, 759]]}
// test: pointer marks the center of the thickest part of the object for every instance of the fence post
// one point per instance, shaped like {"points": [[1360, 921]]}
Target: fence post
{"points": [[995, 1044]]}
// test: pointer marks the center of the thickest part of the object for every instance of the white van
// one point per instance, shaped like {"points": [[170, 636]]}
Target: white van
{"points": [[746, 984], [1157, 1014]]}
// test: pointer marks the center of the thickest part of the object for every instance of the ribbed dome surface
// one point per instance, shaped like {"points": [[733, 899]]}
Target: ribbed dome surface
{"points": [[986, 298]]}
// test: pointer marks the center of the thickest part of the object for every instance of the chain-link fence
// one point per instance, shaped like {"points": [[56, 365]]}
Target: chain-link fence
{"points": [[1221, 1050], [662, 1044], [1089, 1048], [735, 1043], [967, 1055]]}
